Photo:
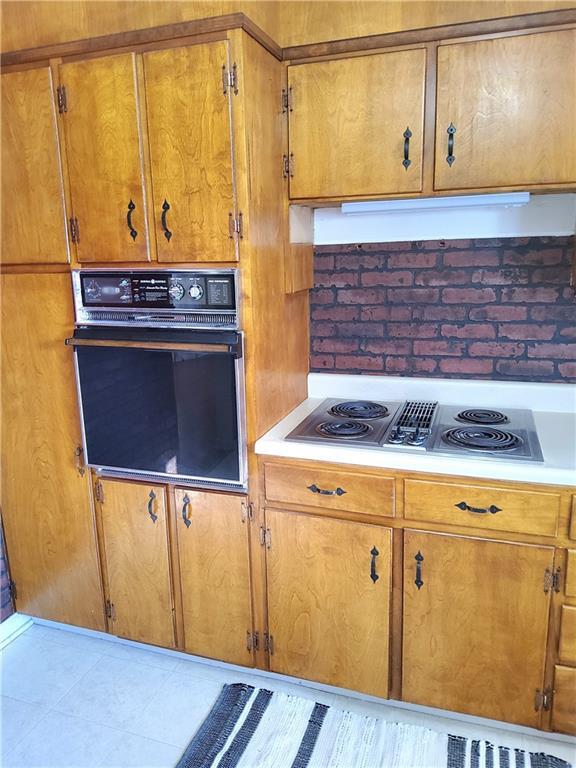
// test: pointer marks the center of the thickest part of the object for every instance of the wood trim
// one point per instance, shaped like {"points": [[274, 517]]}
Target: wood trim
{"points": [[148, 345], [431, 34], [429, 140], [166, 32]]}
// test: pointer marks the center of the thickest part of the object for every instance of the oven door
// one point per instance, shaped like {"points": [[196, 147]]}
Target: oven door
{"points": [[163, 404]]}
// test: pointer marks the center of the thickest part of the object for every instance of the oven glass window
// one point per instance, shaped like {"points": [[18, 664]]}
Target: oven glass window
{"points": [[161, 411]]}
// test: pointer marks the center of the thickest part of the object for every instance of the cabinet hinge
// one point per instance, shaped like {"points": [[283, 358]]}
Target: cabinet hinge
{"points": [[269, 643], [265, 537], [99, 492], [252, 641], [230, 79], [74, 230], [288, 166], [287, 100], [235, 226], [247, 511], [110, 610], [62, 99], [543, 699], [557, 580], [12, 589]]}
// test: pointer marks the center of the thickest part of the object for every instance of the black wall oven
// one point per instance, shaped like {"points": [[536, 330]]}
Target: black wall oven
{"points": [[160, 375]]}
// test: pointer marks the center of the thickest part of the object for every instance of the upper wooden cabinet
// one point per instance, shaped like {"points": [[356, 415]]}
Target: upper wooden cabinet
{"points": [[105, 158], [33, 215], [356, 125], [510, 104], [188, 106]]}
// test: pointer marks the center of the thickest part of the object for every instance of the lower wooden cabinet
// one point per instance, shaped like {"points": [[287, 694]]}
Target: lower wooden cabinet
{"points": [[475, 625], [212, 536], [329, 600], [564, 701], [135, 559]]}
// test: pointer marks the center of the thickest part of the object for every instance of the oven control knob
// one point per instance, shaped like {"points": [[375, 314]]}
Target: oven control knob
{"points": [[196, 291], [177, 291]]}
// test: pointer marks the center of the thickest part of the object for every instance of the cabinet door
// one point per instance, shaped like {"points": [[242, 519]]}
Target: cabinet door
{"points": [[212, 533], [46, 512], [105, 162], [564, 700], [33, 215], [348, 121], [135, 541], [475, 625], [191, 152], [512, 102], [329, 600]]}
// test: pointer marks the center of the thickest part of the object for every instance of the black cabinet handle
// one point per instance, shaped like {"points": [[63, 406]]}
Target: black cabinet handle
{"points": [[419, 560], [337, 492], [131, 208], [451, 130], [373, 575], [492, 509], [151, 499], [407, 136], [185, 505], [165, 209]]}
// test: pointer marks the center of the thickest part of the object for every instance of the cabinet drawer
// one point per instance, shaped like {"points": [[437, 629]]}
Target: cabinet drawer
{"points": [[499, 509], [330, 489], [564, 707], [567, 649]]}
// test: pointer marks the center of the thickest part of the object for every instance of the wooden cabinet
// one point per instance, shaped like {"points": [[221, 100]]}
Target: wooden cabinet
{"points": [[46, 511], [329, 599], [191, 152], [33, 215], [212, 535], [104, 147], [135, 555], [512, 104], [564, 701], [475, 625], [354, 121]]}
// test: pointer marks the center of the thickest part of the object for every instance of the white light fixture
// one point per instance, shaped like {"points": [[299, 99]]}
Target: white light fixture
{"points": [[508, 200]]}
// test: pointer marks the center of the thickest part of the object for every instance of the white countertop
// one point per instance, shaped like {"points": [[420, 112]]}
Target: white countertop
{"points": [[553, 406]]}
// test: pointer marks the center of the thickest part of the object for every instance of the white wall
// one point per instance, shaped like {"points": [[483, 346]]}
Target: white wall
{"points": [[543, 215]]}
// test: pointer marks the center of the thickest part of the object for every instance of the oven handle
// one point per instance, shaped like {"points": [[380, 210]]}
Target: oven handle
{"points": [[166, 345]]}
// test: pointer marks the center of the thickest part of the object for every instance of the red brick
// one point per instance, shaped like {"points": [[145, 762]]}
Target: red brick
{"points": [[322, 328], [335, 345], [549, 256], [451, 348], [336, 279], [416, 260], [471, 259], [426, 365], [568, 370], [387, 347], [403, 245], [413, 295], [439, 313], [468, 295], [336, 313], [552, 275], [347, 362], [501, 313], [443, 244], [412, 330], [470, 331], [500, 276], [322, 296], [526, 331], [362, 295], [533, 369], [387, 278], [397, 364], [386, 312], [554, 351], [360, 261], [496, 349], [323, 263], [443, 277], [466, 365], [553, 313], [363, 330], [321, 362], [569, 333], [487, 242]]}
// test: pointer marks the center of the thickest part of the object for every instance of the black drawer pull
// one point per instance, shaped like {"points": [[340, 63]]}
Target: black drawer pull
{"points": [[407, 136], [151, 499], [185, 505], [419, 560], [338, 492], [451, 130], [492, 509], [165, 209], [373, 575], [131, 208]]}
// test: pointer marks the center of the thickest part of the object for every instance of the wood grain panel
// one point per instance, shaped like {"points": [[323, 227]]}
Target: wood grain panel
{"points": [[212, 532], [329, 619], [103, 142], [474, 634], [567, 648], [564, 702], [191, 152], [137, 561], [512, 101], [344, 490], [347, 125], [519, 511], [33, 214], [46, 511], [570, 583]]}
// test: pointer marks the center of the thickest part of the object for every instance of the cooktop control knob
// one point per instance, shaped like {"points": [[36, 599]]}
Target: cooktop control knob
{"points": [[196, 291], [177, 291]]}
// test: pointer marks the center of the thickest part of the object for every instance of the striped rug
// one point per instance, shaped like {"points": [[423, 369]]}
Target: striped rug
{"points": [[254, 728]]}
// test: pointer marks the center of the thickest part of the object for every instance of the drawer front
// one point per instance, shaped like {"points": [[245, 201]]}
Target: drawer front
{"points": [[330, 489], [564, 706], [567, 649], [498, 509], [570, 587], [572, 532]]}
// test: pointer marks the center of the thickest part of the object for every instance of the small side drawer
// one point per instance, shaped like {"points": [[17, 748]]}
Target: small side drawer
{"points": [[498, 509], [564, 702], [567, 648], [329, 489]]}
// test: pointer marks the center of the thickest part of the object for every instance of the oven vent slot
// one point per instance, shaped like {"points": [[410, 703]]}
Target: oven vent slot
{"points": [[416, 414], [227, 320]]}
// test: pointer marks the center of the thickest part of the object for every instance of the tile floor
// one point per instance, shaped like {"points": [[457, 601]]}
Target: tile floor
{"points": [[70, 701]]}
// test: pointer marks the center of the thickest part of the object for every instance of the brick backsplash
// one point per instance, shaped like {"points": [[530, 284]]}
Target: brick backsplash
{"points": [[499, 309]]}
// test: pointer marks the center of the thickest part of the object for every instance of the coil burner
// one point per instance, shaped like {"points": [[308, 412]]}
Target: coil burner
{"points": [[349, 429], [482, 416], [359, 409], [484, 439]]}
